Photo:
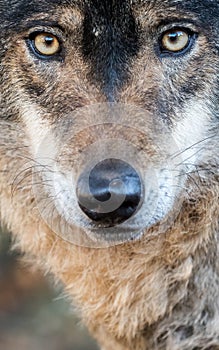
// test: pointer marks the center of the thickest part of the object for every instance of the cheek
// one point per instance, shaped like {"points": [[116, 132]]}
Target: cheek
{"points": [[189, 133]]}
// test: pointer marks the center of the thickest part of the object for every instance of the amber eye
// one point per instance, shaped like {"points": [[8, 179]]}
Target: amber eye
{"points": [[175, 40], [46, 44]]}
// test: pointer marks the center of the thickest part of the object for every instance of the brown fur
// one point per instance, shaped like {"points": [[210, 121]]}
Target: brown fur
{"points": [[160, 292]]}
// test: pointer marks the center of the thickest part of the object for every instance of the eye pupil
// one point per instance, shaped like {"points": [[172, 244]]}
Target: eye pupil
{"points": [[49, 40], [174, 36]]}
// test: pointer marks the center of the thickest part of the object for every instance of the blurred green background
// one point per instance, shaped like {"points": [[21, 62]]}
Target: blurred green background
{"points": [[33, 316]]}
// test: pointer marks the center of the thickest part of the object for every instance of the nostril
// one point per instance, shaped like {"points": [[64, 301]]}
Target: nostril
{"points": [[111, 193]]}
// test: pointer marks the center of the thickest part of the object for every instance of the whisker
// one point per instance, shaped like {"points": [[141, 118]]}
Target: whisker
{"points": [[192, 155], [174, 155], [15, 185]]}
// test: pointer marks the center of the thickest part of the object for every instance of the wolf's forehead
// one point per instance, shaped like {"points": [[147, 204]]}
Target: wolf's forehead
{"points": [[26, 7]]}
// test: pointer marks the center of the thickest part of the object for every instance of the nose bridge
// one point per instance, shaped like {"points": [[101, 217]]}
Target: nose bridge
{"points": [[110, 41]]}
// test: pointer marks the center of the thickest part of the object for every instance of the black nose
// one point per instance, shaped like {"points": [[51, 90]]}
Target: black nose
{"points": [[111, 193]]}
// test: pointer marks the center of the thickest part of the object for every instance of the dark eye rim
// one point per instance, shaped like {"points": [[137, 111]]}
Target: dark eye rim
{"points": [[168, 53], [31, 44]]}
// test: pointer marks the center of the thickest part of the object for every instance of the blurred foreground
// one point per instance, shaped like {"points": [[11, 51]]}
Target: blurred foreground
{"points": [[32, 315]]}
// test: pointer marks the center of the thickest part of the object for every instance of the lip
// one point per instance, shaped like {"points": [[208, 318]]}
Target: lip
{"points": [[107, 237]]}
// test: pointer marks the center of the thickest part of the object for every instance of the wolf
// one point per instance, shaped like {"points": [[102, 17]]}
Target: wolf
{"points": [[109, 161]]}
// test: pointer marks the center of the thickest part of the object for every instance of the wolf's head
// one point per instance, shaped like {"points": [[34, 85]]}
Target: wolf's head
{"points": [[118, 101]]}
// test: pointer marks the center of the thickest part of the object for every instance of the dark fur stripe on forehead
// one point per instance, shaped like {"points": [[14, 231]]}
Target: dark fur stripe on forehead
{"points": [[110, 41]]}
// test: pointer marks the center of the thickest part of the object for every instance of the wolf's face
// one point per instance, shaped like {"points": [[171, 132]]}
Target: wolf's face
{"points": [[118, 102]]}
